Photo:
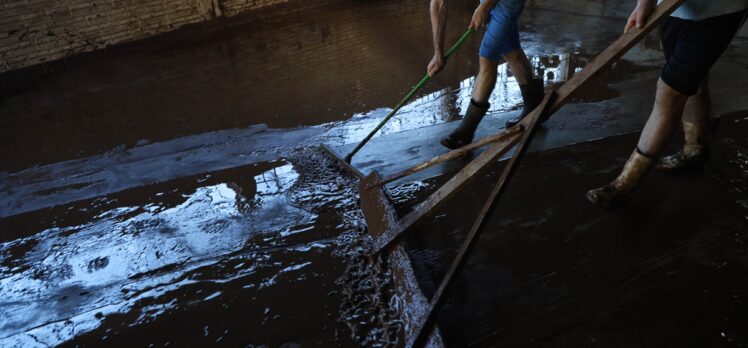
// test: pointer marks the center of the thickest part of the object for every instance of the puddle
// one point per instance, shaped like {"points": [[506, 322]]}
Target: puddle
{"points": [[200, 259], [249, 78], [275, 253]]}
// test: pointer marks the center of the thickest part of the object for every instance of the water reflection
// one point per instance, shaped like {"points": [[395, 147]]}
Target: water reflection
{"points": [[558, 68], [448, 104], [63, 281], [307, 69]]}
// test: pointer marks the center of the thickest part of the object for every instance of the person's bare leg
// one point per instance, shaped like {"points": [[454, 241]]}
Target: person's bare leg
{"points": [[699, 106], [482, 88], [532, 89], [520, 66], [485, 81], [662, 121], [696, 127], [665, 115]]}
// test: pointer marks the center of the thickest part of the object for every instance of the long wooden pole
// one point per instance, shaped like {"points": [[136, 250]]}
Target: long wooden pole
{"points": [[507, 137], [442, 194], [617, 49], [563, 94], [485, 212]]}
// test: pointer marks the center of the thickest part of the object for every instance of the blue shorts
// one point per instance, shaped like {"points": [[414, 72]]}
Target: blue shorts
{"points": [[502, 34]]}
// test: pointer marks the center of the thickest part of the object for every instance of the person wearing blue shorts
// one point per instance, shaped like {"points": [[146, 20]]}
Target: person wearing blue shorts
{"points": [[500, 40], [693, 38]]}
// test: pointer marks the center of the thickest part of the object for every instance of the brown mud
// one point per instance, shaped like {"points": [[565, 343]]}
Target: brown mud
{"points": [[323, 64], [317, 66], [167, 191], [231, 257], [552, 270]]}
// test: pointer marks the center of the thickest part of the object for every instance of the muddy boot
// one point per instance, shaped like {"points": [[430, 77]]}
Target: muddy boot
{"points": [[463, 134], [695, 151], [532, 95], [615, 194]]}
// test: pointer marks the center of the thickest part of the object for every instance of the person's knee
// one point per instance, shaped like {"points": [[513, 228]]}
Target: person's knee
{"points": [[703, 90], [515, 55], [487, 66], [667, 94]]}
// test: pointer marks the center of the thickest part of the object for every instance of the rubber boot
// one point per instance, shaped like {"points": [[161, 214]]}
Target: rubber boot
{"points": [[695, 151], [532, 95], [464, 133], [615, 194]]}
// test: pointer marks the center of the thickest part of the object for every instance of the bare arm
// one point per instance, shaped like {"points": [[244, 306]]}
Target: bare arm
{"points": [[438, 24], [438, 11], [438, 28], [640, 14], [480, 16]]}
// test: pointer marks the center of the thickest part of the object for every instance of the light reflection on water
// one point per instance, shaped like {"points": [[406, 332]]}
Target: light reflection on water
{"points": [[449, 104], [76, 275], [130, 253]]}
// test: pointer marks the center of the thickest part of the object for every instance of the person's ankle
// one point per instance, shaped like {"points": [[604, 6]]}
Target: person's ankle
{"points": [[480, 104], [645, 153]]}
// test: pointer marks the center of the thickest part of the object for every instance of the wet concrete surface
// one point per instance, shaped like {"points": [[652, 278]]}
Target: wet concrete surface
{"points": [[226, 258], [282, 70], [616, 103], [167, 191], [551, 270]]}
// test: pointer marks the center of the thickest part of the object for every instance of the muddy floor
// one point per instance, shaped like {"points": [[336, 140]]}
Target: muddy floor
{"points": [[551, 270], [229, 257], [168, 191]]}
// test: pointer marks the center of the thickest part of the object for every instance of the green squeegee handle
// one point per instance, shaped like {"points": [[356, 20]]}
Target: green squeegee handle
{"points": [[410, 95]]}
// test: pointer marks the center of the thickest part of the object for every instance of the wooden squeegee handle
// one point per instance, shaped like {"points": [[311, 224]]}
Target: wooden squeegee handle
{"points": [[617, 49], [613, 52], [426, 319], [505, 137], [563, 94]]}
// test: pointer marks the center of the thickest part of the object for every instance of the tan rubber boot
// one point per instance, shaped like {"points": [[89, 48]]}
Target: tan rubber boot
{"points": [[614, 195], [695, 151]]}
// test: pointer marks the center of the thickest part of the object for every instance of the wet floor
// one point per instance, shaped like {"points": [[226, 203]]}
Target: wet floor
{"points": [[551, 270], [304, 68], [314, 67], [227, 258], [166, 192]]}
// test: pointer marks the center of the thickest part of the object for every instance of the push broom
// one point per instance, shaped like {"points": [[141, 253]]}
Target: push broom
{"points": [[347, 160]]}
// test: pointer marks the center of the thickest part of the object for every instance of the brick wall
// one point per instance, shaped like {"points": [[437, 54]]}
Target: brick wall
{"points": [[37, 31]]}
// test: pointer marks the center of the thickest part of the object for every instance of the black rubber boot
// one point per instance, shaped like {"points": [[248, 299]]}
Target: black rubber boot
{"points": [[532, 95], [464, 133]]}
